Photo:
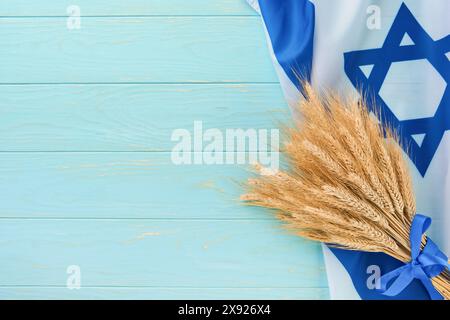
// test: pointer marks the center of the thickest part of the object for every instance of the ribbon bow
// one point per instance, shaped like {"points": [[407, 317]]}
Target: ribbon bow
{"points": [[424, 264]]}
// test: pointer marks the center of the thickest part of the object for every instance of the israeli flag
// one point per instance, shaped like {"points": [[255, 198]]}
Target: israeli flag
{"points": [[398, 51]]}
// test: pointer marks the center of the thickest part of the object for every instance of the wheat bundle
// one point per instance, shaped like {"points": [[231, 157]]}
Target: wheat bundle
{"points": [[347, 182]]}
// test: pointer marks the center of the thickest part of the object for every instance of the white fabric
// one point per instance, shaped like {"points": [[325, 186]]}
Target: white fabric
{"points": [[411, 91]]}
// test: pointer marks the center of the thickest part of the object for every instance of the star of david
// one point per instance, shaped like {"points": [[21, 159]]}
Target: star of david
{"points": [[423, 47]]}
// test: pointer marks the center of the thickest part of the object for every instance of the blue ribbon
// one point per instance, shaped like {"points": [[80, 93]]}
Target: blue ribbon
{"points": [[424, 265]]}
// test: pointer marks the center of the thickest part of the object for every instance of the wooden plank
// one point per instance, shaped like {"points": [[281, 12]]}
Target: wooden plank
{"points": [[143, 293], [159, 253], [137, 225], [134, 49], [119, 185], [129, 7], [128, 117]]}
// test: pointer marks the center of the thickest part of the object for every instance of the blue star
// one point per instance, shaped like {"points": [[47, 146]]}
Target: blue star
{"points": [[424, 47]]}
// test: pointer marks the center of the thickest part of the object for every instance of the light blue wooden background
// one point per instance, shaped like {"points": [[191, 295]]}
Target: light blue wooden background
{"points": [[85, 173]]}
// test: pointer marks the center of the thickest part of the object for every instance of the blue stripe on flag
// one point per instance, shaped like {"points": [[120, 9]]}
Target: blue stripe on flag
{"points": [[290, 25], [356, 263]]}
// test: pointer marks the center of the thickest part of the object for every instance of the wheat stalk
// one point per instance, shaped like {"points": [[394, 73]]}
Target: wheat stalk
{"points": [[348, 183]]}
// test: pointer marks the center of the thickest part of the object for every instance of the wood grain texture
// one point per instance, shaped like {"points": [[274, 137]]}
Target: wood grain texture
{"points": [[197, 253], [144, 293], [134, 49], [86, 176], [119, 185], [129, 7], [128, 117]]}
